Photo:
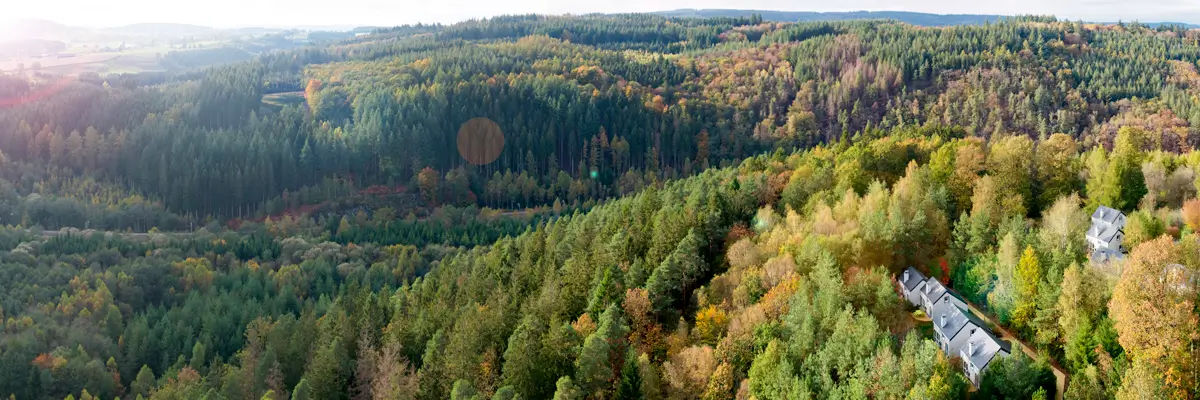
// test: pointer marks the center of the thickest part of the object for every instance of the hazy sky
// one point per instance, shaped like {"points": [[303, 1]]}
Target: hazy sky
{"points": [[230, 13]]}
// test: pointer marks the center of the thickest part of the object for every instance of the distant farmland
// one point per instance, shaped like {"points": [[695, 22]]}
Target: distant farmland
{"points": [[146, 59], [100, 62]]}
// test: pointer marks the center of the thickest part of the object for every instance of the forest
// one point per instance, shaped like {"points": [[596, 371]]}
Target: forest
{"points": [[683, 208]]}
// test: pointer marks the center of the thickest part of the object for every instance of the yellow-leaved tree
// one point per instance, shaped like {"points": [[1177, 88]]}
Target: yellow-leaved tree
{"points": [[710, 325], [1028, 275]]}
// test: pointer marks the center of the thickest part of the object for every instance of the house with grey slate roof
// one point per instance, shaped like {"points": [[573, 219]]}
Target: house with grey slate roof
{"points": [[1107, 231], [957, 331], [952, 325], [934, 292], [982, 348], [911, 283]]}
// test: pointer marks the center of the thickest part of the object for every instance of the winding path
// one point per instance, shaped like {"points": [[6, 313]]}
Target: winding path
{"points": [[1060, 376]]}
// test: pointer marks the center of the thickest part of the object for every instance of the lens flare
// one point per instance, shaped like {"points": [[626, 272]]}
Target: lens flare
{"points": [[480, 141], [8, 100]]}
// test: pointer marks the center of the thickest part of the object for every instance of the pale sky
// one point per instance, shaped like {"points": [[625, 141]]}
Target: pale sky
{"points": [[235, 13]]}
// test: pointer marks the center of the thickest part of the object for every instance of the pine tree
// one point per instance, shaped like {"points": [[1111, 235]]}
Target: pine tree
{"points": [[302, 391], [433, 373], [1123, 184], [144, 383], [600, 360], [523, 369], [1045, 321], [198, 357], [676, 276], [329, 371], [605, 288], [630, 387], [771, 374]]}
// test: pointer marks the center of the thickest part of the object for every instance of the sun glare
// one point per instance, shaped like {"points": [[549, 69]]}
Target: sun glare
{"points": [[7, 30]]}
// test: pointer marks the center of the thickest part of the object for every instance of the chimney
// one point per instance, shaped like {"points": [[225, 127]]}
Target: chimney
{"points": [[942, 320], [906, 276], [970, 348]]}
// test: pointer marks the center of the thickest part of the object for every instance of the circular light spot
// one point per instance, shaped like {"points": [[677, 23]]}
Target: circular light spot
{"points": [[480, 141]]}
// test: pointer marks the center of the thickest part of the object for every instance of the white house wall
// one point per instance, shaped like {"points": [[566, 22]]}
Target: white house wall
{"points": [[960, 340], [914, 296]]}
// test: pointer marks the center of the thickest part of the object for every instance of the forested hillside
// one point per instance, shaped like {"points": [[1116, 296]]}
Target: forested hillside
{"points": [[683, 208], [914, 18], [637, 99]]}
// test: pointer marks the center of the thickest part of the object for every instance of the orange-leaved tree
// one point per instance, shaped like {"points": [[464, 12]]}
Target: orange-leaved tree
{"points": [[1153, 312]]}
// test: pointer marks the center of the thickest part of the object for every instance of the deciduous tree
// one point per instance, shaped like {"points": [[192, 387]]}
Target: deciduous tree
{"points": [[1153, 312]]}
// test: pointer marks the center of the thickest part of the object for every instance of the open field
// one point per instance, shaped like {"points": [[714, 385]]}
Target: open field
{"points": [[49, 63], [136, 60], [278, 100], [130, 60]]}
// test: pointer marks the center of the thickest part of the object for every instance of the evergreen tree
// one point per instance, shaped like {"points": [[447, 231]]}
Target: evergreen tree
{"points": [[676, 276], [630, 387], [302, 391], [600, 360], [463, 391], [144, 383], [1123, 183], [328, 373], [566, 390]]}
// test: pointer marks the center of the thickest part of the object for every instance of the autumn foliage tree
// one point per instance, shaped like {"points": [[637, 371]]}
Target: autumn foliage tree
{"points": [[1057, 168], [1010, 163], [710, 324], [861, 144], [1028, 276], [1191, 214], [428, 181], [311, 91], [1153, 310]]}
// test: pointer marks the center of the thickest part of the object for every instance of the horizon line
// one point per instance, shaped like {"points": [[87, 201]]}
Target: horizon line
{"points": [[352, 26]]}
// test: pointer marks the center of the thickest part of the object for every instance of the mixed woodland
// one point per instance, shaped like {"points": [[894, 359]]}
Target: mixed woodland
{"points": [[684, 208]]}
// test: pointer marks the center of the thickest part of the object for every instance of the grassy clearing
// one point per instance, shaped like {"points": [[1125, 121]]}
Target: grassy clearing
{"points": [[276, 101]]}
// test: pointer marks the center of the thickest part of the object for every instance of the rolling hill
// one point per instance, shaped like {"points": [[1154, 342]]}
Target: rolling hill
{"points": [[915, 18]]}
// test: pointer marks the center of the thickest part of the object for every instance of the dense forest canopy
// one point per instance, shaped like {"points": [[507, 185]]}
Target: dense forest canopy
{"points": [[683, 208], [636, 98]]}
